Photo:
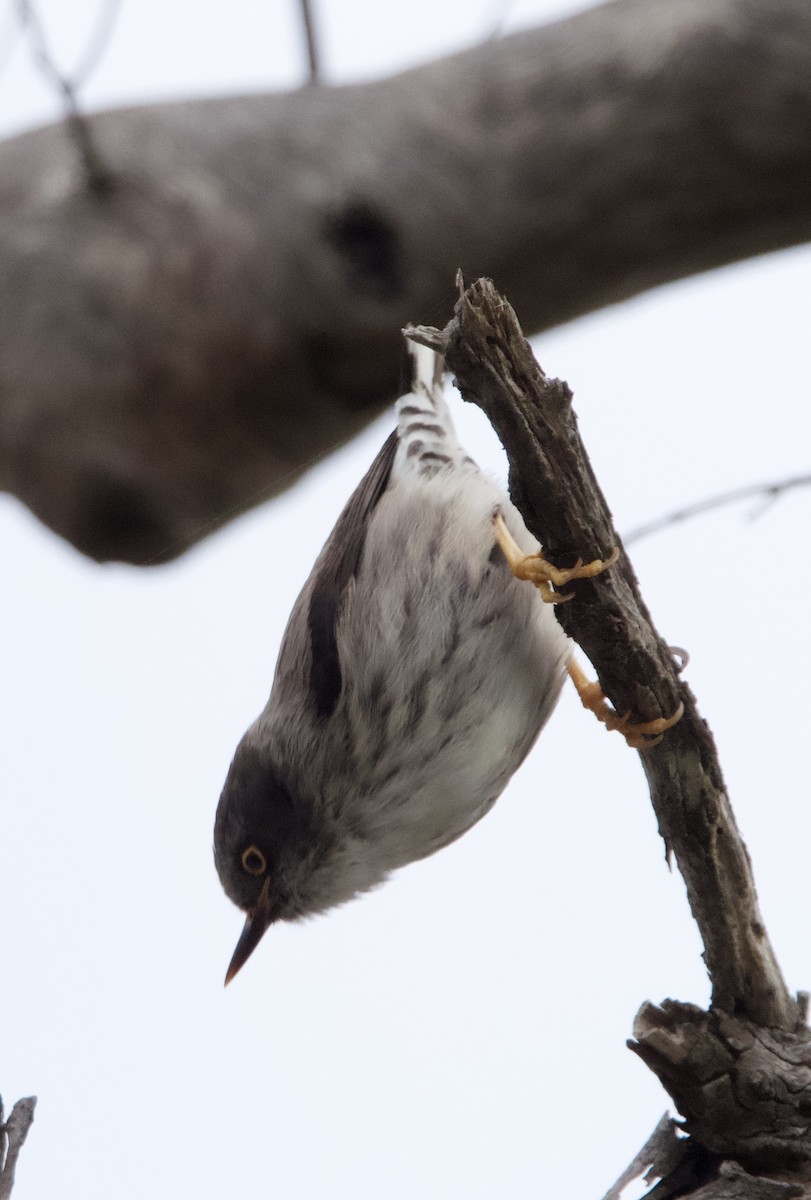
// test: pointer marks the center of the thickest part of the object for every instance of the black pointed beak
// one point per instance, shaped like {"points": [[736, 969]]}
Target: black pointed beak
{"points": [[256, 922]]}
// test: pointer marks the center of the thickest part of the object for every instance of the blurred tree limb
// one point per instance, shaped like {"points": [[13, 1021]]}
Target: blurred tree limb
{"points": [[740, 1074], [186, 343]]}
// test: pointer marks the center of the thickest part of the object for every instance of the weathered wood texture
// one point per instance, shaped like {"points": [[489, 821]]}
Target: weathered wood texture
{"points": [[13, 1133], [184, 343], [552, 483], [679, 1166], [740, 1075], [743, 1089]]}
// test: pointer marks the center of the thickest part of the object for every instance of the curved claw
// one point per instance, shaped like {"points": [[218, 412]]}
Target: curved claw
{"points": [[535, 569], [641, 735], [645, 734]]}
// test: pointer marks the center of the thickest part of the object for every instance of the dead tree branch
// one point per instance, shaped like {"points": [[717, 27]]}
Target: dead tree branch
{"points": [[552, 483], [740, 1074], [229, 313], [13, 1133], [683, 1167]]}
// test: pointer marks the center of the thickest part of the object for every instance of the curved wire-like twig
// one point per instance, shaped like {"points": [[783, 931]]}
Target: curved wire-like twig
{"points": [[769, 491], [97, 43]]}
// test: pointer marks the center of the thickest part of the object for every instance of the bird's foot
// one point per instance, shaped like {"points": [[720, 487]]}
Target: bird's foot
{"points": [[537, 570], [640, 735]]}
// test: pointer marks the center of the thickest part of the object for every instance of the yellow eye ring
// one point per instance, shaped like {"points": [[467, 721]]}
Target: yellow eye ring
{"points": [[254, 861]]}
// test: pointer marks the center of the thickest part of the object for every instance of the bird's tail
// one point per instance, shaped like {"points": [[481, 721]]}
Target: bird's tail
{"points": [[425, 431]]}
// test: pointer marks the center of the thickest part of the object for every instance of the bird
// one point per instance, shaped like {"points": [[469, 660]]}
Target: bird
{"points": [[415, 674]]}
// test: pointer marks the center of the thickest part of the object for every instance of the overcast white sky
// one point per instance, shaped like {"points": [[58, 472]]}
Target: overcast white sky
{"points": [[459, 1033]]}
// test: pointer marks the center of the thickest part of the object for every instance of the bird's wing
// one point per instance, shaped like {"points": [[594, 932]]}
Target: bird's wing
{"points": [[338, 563]]}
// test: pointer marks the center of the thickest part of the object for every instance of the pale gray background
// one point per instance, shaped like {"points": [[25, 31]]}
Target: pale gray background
{"points": [[461, 1032]]}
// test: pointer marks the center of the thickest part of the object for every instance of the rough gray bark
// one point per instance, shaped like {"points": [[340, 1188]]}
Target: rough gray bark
{"points": [[744, 1089], [741, 1074], [552, 484], [185, 342], [666, 1156], [13, 1133]]}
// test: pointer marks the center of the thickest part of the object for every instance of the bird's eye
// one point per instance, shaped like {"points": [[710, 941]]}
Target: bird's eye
{"points": [[254, 861]]}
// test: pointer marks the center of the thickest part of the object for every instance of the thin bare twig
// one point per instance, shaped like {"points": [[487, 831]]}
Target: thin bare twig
{"points": [[770, 492], [13, 1133], [97, 43], [311, 39], [98, 175]]}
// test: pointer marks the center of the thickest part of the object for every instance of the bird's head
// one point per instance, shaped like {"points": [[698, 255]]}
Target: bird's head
{"points": [[260, 848], [281, 855]]}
